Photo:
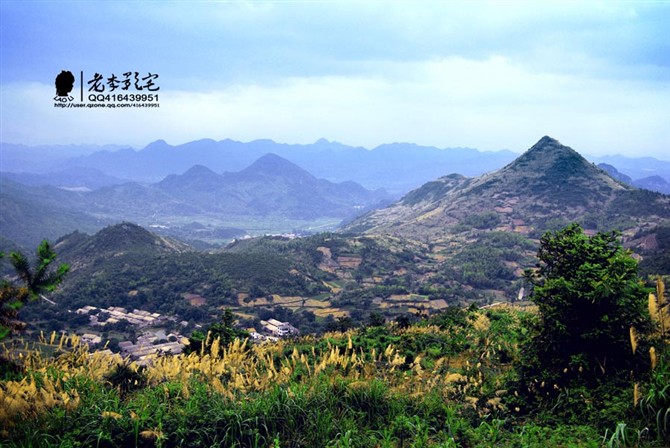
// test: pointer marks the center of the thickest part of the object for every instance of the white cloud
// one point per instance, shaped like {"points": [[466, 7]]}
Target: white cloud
{"points": [[488, 104]]}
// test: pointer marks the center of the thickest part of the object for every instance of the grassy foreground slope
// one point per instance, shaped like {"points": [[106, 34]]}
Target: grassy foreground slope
{"points": [[442, 382]]}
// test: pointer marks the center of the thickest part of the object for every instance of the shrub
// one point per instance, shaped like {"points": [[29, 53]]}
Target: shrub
{"points": [[589, 295]]}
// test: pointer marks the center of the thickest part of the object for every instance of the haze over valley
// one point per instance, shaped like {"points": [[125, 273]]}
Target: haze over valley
{"points": [[454, 239], [209, 192]]}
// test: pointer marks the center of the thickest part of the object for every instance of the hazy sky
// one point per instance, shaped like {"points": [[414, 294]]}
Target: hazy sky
{"points": [[488, 75]]}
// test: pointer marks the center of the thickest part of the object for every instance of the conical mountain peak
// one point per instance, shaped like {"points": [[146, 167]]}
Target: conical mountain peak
{"points": [[81, 250], [199, 170], [555, 173], [547, 141], [275, 166], [548, 145], [198, 177], [548, 181], [547, 148]]}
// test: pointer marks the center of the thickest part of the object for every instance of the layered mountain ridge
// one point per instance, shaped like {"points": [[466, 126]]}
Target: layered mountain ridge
{"points": [[397, 167], [547, 184], [271, 189], [271, 185]]}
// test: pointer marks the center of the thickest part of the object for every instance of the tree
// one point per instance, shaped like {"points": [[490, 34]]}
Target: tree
{"points": [[225, 331], [376, 319], [403, 321], [589, 295], [35, 280], [342, 324]]}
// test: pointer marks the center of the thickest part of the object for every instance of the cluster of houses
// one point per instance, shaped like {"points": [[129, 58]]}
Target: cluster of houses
{"points": [[149, 344], [116, 314], [152, 343], [91, 338], [279, 329]]}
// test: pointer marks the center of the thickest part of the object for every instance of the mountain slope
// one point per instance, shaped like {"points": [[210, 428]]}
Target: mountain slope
{"points": [[72, 178], [548, 185], [271, 186], [113, 241], [653, 183], [272, 195], [126, 265], [615, 173], [272, 166], [196, 178], [30, 214]]}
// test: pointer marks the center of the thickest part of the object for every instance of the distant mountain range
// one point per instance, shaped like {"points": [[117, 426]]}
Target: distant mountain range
{"points": [[453, 240], [653, 183], [636, 168], [228, 188], [547, 187], [396, 167], [270, 189], [30, 214], [270, 186]]}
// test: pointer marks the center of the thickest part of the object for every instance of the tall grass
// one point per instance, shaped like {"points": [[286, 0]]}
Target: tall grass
{"points": [[347, 389]]}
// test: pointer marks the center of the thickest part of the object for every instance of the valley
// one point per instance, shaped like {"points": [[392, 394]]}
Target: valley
{"points": [[334, 224], [453, 241], [426, 315], [271, 196]]}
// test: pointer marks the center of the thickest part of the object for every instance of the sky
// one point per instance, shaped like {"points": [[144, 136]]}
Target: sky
{"points": [[487, 75]]}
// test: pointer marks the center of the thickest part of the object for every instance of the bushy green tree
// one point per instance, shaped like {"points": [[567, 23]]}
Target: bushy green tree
{"points": [[225, 331], [376, 319], [35, 281], [589, 295]]}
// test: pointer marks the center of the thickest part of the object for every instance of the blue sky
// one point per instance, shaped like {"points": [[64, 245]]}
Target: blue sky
{"points": [[489, 75]]}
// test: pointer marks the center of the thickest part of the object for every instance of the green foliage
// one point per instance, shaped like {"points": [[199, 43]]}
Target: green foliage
{"points": [[486, 263], [623, 436], [341, 324], [144, 278], [552, 224], [35, 281], [224, 330], [589, 295], [657, 261], [641, 203], [487, 220], [655, 404], [338, 407], [160, 281], [452, 317], [126, 378], [376, 319], [569, 181]]}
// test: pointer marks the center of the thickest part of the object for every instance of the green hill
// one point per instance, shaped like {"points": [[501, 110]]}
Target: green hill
{"points": [[545, 188]]}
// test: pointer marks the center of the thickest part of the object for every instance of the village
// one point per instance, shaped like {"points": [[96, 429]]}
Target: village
{"points": [[154, 340]]}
